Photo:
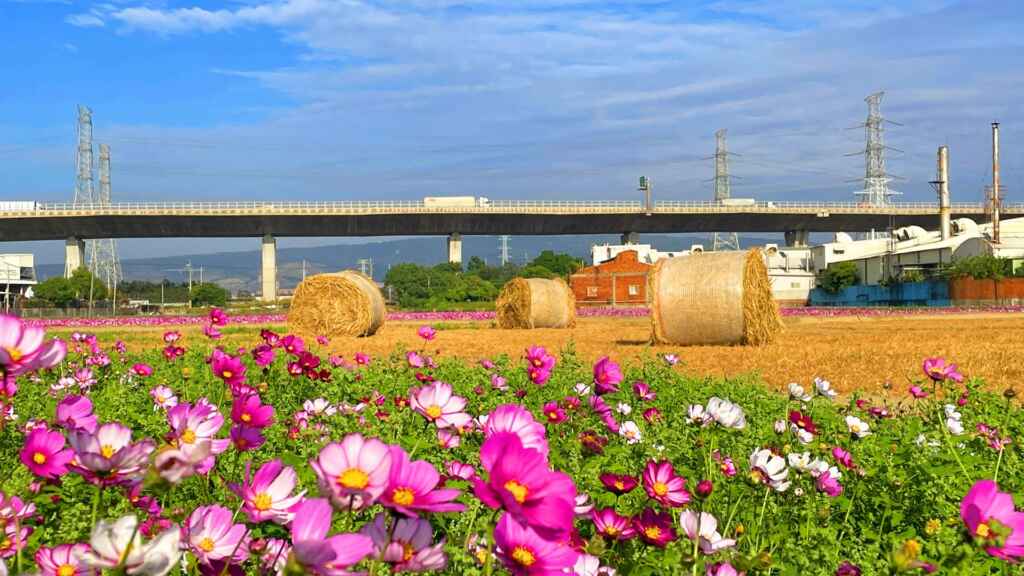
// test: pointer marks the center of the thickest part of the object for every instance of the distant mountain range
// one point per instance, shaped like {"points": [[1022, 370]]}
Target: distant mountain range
{"points": [[238, 271]]}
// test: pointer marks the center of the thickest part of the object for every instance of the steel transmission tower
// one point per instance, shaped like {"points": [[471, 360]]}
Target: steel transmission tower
{"points": [[103, 253], [723, 240], [876, 181], [83, 158], [503, 249]]}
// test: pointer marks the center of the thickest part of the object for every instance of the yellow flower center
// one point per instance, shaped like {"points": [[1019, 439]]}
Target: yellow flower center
{"points": [[660, 488], [206, 545], [481, 555], [652, 532], [403, 496], [39, 458], [262, 501], [14, 354], [518, 491], [611, 530], [620, 485], [188, 436], [434, 411], [983, 531], [107, 450], [160, 399], [407, 552], [523, 556], [246, 417], [354, 478], [66, 570], [227, 374]]}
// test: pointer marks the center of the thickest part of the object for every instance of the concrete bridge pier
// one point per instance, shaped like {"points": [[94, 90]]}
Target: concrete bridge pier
{"points": [[455, 248], [268, 275], [74, 255], [797, 238], [630, 238]]}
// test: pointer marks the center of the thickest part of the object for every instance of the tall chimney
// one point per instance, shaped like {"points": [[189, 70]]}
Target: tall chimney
{"points": [[944, 207], [995, 182]]}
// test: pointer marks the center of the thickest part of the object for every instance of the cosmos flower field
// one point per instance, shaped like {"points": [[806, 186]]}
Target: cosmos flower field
{"points": [[184, 456]]}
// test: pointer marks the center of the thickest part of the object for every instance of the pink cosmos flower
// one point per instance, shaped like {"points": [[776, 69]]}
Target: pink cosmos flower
{"points": [[14, 508], [643, 391], [249, 411], [211, 535], [174, 464], [520, 481], [212, 332], [228, 368], [725, 464], [609, 523], [62, 560], [655, 528], [538, 376], [722, 569], [314, 551], [843, 457], [163, 397], [446, 438], [539, 364], [191, 425], [414, 360], [519, 421], [828, 483], [108, 456], [412, 487], [268, 494], [938, 370], [525, 553], [459, 470], [618, 483], [407, 545], [22, 349], [437, 404], [171, 336], [607, 376], [554, 413], [362, 359], [246, 438], [218, 317], [263, 355], [663, 485], [426, 332], [917, 392], [75, 413], [499, 382], [353, 473], [142, 370], [992, 520], [84, 378], [44, 453]]}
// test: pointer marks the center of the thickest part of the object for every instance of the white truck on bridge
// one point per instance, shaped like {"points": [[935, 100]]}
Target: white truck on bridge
{"points": [[455, 201], [17, 206]]}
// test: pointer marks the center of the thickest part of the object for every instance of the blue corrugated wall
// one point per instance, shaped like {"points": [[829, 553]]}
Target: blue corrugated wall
{"points": [[930, 293]]}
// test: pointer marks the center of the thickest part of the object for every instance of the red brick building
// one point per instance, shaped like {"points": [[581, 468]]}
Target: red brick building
{"points": [[622, 280]]}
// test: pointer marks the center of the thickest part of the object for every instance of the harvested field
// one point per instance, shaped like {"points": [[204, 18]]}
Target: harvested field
{"points": [[853, 353]]}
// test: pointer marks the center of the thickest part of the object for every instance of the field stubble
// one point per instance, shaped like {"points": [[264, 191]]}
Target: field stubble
{"points": [[855, 354]]}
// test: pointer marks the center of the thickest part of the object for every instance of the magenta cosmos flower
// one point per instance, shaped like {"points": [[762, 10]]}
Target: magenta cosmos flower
{"points": [[655, 528], [520, 481], [44, 453], [519, 421], [427, 332], [22, 349], [937, 369], [526, 553], [142, 370], [554, 413], [643, 391], [607, 376], [539, 365], [211, 534], [62, 560], [610, 524], [992, 521], [218, 317], [618, 483], [437, 404], [108, 456], [268, 494], [355, 472], [407, 546], [75, 413], [228, 368], [412, 487], [663, 485], [249, 410], [314, 551]]}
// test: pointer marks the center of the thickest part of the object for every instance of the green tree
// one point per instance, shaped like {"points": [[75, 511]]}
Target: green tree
{"points": [[536, 271], [209, 294], [560, 264], [87, 286], [838, 277], [981, 267], [57, 291]]}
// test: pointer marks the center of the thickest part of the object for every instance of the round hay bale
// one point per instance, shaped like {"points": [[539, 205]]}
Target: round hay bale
{"points": [[338, 304], [536, 303], [713, 298]]}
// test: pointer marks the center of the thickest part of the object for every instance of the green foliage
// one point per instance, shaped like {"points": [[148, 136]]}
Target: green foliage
{"points": [[143, 290], [537, 271], [559, 264], [838, 277], [86, 286], [56, 291], [981, 267], [209, 294]]}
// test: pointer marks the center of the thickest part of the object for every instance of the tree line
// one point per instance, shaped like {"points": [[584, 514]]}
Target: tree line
{"points": [[83, 287]]}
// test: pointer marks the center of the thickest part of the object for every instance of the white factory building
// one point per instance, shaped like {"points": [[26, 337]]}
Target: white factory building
{"points": [[17, 276]]}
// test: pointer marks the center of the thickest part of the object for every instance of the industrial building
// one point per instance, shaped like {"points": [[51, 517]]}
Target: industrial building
{"points": [[621, 280], [17, 276]]}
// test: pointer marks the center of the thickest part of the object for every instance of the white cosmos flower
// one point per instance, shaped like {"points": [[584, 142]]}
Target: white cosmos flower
{"points": [[804, 436], [624, 409], [857, 427], [817, 467], [110, 542], [797, 392], [630, 431], [799, 461], [319, 406], [704, 526], [951, 412], [767, 468], [780, 426], [922, 440], [955, 426], [697, 414], [726, 413], [824, 387], [582, 389]]}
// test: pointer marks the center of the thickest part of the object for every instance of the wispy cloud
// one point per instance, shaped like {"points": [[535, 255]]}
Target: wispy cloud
{"points": [[85, 20]]}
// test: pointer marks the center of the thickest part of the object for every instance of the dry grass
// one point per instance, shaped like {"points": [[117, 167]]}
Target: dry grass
{"points": [[854, 354]]}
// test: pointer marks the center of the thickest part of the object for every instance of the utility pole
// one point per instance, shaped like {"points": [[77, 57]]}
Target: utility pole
{"points": [[876, 190], [366, 267], [723, 191], [503, 249], [995, 182], [645, 187], [303, 269]]}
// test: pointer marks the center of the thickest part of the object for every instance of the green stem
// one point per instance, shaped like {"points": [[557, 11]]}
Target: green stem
{"points": [[999, 460], [696, 541], [760, 518], [96, 497], [949, 444]]}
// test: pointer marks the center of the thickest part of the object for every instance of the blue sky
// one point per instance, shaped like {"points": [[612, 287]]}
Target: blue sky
{"points": [[358, 99]]}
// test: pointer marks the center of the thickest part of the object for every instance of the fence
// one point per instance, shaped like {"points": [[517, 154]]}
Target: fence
{"points": [[930, 293], [969, 291]]}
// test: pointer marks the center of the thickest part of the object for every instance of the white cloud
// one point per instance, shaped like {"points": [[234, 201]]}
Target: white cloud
{"points": [[85, 20]]}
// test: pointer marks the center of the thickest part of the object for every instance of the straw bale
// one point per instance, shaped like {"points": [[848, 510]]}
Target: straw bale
{"points": [[338, 304], [536, 303]]}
